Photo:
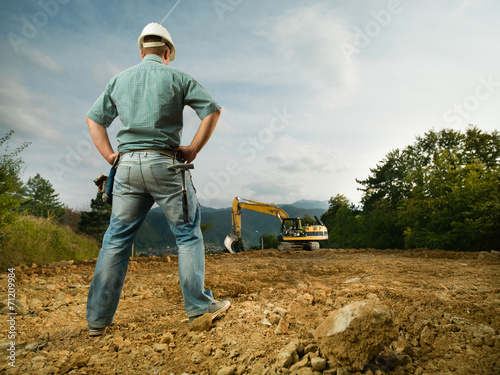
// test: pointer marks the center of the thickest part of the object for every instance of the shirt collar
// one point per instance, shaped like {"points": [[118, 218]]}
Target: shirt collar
{"points": [[153, 57]]}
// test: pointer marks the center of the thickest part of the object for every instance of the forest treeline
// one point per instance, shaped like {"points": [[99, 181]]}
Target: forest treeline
{"points": [[442, 192]]}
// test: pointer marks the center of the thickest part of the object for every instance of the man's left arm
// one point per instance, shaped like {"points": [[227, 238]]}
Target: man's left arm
{"points": [[205, 130], [100, 137]]}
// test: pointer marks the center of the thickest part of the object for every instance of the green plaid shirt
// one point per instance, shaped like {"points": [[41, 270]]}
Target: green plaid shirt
{"points": [[149, 99]]}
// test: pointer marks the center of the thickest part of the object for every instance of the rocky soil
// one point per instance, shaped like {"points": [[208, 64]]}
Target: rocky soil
{"points": [[294, 312]]}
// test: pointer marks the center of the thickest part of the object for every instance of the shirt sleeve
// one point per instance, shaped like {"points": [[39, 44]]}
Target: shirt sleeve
{"points": [[199, 99], [103, 111]]}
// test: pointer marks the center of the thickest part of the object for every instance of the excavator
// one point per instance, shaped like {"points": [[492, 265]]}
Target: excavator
{"points": [[295, 233]]}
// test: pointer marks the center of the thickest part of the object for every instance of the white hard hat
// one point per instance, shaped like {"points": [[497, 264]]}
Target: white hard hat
{"points": [[158, 30]]}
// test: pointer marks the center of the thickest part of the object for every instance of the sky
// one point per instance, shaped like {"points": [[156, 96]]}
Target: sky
{"points": [[313, 93]]}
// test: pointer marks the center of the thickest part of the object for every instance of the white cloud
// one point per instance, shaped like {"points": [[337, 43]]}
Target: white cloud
{"points": [[294, 156], [104, 70], [38, 58], [467, 4], [284, 187], [292, 170], [25, 111], [309, 40], [293, 56]]}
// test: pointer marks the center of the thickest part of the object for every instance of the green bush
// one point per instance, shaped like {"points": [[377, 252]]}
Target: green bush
{"points": [[30, 239]]}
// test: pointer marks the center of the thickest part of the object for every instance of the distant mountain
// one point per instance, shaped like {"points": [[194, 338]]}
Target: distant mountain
{"points": [[310, 204], [208, 209], [155, 233]]}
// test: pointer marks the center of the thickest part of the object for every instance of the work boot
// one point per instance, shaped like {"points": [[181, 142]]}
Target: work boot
{"points": [[216, 308], [96, 331]]}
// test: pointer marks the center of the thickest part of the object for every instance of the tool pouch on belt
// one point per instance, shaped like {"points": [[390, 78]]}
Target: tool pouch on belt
{"points": [[105, 183]]}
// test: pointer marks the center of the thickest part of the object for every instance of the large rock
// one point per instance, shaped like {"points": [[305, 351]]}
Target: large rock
{"points": [[288, 355], [203, 323], [353, 335]]}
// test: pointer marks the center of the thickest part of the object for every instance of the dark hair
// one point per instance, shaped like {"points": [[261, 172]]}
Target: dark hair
{"points": [[160, 51]]}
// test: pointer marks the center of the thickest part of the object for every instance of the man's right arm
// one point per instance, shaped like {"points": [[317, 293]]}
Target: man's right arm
{"points": [[100, 137]]}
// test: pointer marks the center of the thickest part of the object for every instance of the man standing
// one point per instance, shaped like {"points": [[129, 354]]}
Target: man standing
{"points": [[149, 99]]}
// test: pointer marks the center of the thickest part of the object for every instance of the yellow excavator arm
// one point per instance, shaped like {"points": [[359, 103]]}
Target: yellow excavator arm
{"points": [[247, 204], [265, 208]]}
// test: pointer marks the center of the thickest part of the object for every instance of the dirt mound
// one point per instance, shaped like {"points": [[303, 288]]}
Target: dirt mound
{"points": [[440, 311]]}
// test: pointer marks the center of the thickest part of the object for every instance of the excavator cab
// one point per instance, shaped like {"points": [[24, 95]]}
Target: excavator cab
{"points": [[292, 227]]}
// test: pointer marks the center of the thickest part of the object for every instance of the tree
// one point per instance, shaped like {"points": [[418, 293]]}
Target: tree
{"points": [[41, 198], [11, 186], [266, 241], [379, 227], [394, 179], [96, 221], [269, 241], [335, 203], [70, 218], [387, 182], [440, 192], [308, 220], [343, 222], [206, 227], [457, 208]]}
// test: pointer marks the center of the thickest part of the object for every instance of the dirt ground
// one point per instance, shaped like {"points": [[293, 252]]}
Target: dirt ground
{"points": [[445, 308]]}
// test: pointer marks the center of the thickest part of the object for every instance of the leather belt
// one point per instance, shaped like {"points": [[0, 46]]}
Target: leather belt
{"points": [[172, 154]]}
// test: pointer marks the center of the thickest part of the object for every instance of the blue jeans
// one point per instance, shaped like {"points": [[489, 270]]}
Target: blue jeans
{"points": [[141, 179]]}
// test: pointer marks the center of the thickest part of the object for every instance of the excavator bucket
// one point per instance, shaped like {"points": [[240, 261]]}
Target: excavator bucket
{"points": [[229, 242]]}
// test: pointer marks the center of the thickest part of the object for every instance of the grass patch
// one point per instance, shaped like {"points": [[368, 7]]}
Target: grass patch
{"points": [[37, 240]]}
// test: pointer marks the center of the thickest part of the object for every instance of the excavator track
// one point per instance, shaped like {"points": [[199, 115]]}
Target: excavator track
{"points": [[282, 246]]}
